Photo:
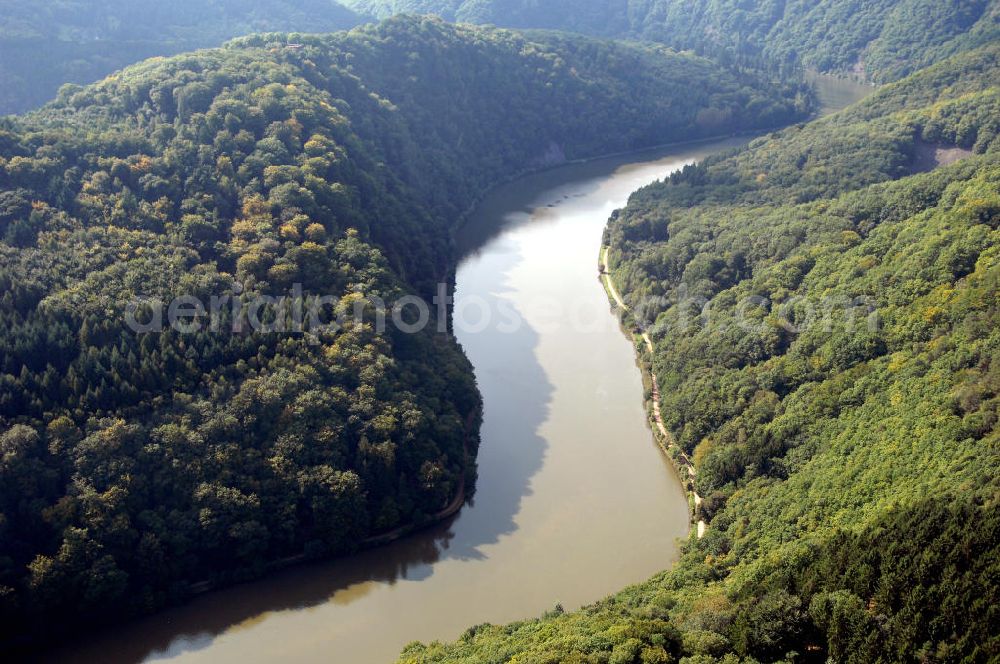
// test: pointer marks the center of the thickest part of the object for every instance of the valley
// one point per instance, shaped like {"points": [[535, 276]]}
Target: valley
{"points": [[500, 331]]}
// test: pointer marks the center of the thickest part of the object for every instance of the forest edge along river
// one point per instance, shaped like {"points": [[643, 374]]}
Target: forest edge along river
{"points": [[573, 499]]}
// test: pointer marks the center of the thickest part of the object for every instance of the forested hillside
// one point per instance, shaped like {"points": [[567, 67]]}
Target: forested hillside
{"points": [[45, 43], [880, 39], [823, 307], [135, 465]]}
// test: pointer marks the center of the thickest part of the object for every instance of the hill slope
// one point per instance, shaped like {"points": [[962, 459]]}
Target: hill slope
{"points": [[823, 307], [44, 44], [133, 465], [882, 39]]}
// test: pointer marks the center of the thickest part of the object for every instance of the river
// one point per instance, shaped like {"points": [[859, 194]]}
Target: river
{"points": [[574, 500]]}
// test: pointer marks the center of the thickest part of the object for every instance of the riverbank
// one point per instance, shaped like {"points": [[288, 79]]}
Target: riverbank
{"points": [[664, 439], [379, 539], [455, 505], [635, 152], [832, 95], [564, 464]]}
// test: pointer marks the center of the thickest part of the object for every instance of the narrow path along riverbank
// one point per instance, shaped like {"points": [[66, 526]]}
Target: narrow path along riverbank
{"points": [[571, 502], [835, 94], [665, 439]]}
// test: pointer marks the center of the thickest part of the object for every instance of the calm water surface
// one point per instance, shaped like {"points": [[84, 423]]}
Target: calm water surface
{"points": [[573, 502]]}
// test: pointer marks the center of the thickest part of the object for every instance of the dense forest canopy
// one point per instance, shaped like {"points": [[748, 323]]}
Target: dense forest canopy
{"points": [[45, 43], [823, 308], [135, 465], [880, 39]]}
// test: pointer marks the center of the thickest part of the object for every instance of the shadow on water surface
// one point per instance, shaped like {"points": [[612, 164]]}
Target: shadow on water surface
{"points": [[517, 394], [547, 189], [518, 397]]}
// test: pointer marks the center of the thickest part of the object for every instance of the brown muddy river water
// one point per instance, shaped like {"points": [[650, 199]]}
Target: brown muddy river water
{"points": [[574, 500]]}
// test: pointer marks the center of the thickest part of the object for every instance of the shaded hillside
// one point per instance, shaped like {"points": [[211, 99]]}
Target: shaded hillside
{"points": [[133, 465], [883, 40], [827, 340]]}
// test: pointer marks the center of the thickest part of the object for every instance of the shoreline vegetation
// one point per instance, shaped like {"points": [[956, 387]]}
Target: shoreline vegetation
{"points": [[840, 371], [537, 170], [453, 507], [674, 453], [680, 461], [263, 166], [826, 453]]}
